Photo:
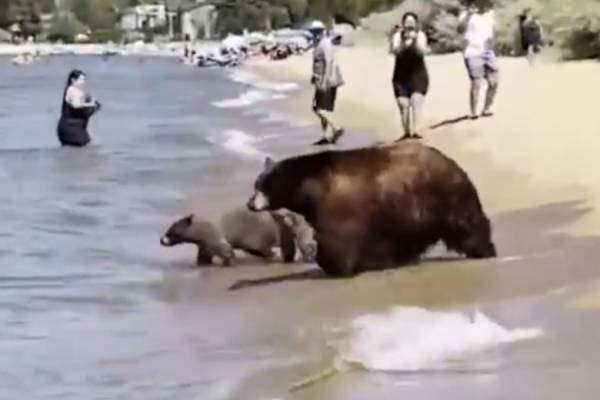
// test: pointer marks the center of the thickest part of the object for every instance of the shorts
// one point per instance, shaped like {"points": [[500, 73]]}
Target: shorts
{"points": [[325, 99], [481, 66]]}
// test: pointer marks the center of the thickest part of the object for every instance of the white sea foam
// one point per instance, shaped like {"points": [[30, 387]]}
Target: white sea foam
{"points": [[274, 117], [242, 143], [412, 339], [250, 78], [247, 98]]}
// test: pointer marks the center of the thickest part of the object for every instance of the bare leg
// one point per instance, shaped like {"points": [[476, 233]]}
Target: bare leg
{"points": [[474, 96], [404, 107], [328, 116], [326, 122], [531, 55], [492, 89], [324, 125], [416, 100]]}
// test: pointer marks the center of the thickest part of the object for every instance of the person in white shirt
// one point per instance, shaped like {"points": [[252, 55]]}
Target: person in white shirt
{"points": [[326, 78], [480, 59]]}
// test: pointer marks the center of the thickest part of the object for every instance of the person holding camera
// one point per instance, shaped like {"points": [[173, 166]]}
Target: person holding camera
{"points": [[76, 111], [479, 28], [410, 79]]}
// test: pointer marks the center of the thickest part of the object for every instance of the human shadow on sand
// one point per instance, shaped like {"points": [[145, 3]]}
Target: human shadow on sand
{"points": [[519, 234], [450, 121]]}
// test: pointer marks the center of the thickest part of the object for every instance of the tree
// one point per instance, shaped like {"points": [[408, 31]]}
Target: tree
{"points": [[4, 13], [82, 10], [65, 27]]}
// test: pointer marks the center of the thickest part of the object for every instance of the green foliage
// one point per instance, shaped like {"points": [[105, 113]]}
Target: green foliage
{"points": [[65, 27], [573, 26]]}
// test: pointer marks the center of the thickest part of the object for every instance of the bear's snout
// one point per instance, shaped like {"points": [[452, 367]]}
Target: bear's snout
{"points": [[165, 241], [250, 204], [258, 202]]}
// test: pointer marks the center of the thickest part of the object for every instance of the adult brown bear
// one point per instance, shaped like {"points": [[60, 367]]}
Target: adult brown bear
{"points": [[374, 208]]}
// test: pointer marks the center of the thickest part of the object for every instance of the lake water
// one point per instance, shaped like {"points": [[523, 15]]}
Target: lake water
{"points": [[92, 307]]}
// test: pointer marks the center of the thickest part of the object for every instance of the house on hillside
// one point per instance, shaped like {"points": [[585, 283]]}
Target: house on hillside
{"points": [[195, 19], [143, 17], [180, 18]]}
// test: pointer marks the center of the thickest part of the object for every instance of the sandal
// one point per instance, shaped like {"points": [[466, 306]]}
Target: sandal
{"points": [[321, 142]]}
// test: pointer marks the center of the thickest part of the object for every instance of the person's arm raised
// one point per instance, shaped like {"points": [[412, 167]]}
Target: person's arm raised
{"points": [[422, 43]]}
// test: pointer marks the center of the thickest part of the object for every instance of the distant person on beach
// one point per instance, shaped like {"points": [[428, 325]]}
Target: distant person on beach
{"points": [[410, 79], [326, 78], [480, 58], [532, 39], [76, 111], [186, 47]]}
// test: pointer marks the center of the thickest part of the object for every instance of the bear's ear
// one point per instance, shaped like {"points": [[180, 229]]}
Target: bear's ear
{"points": [[188, 220], [269, 162]]}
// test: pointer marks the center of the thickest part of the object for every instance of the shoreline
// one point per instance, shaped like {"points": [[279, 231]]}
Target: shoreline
{"points": [[168, 49]]}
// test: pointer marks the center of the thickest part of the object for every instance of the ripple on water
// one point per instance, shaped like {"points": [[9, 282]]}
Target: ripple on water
{"points": [[72, 219], [93, 203]]}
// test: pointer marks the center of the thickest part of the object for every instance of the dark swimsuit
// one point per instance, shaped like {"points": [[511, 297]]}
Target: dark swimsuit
{"points": [[410, 72], [72, 126], [531, 35]]}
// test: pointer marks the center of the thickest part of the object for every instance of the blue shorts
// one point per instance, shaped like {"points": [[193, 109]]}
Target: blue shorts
{"points": [[481, 66]]}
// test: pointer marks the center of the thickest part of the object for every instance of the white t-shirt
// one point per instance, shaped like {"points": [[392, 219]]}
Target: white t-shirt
{"points": [[478, 33]]}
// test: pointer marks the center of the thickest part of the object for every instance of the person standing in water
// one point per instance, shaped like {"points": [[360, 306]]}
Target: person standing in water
{"points": [[410, 79], [480, 59], [327, 78], [77, 108]]}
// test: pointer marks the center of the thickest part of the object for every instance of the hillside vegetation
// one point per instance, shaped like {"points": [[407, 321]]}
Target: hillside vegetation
{"points": [[572, 25]]}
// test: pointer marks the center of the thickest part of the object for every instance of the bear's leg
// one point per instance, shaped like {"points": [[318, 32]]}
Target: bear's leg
{"points": [[286, 238], [288, 244], [204, 257], [337, 257], [308, 251], [472, 239], [226, 254]]}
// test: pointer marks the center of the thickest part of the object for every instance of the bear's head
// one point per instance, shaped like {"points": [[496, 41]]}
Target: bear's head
{"points": [[265, 189], [178, 232]]}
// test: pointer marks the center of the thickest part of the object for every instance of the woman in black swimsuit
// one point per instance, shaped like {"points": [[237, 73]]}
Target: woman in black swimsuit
{"points": [[410, 80], [77, 109]]}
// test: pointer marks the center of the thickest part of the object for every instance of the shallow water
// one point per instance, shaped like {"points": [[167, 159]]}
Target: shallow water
{"points": [[91, 307]]}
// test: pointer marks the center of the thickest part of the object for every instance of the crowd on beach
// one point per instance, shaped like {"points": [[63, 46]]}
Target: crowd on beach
{"points": [[408, 43], [235, 49]]}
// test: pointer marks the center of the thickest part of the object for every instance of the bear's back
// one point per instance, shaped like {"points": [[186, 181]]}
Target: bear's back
{"points": [[205, 231], [242, 227], [410, 164]]}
